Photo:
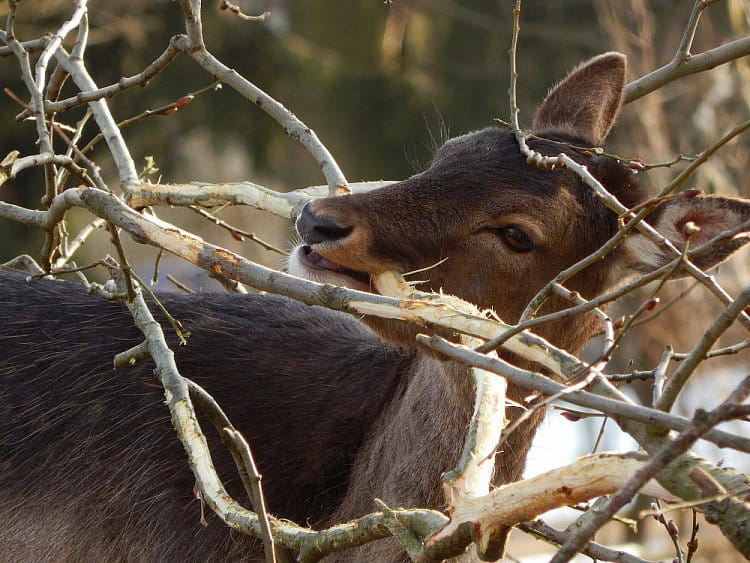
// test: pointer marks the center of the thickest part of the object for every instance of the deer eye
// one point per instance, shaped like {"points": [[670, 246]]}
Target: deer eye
{"points": [[516, 239]]}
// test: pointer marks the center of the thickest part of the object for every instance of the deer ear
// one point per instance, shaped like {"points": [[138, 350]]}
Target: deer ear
{"points": [[713, 215], [586, 103]]}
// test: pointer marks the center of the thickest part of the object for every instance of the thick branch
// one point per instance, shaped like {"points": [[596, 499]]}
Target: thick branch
{"points": [[586, 478], [702, 422], [235, 193], [676, 69]]}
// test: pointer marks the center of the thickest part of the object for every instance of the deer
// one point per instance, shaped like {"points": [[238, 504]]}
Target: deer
{"points": [[337, 410]]}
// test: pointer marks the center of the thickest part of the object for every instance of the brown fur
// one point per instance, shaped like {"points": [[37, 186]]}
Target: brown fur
{"points": [[89, 466]]}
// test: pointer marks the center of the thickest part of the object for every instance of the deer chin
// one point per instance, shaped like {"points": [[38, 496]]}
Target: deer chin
{"points": [[305, 262]]}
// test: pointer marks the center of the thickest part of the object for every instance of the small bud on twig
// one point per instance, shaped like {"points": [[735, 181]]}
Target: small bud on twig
{"points": [[167, 110], [9, 159], [690, 229], [690, 194], [654, 511], [637, 166], [182, 102]]}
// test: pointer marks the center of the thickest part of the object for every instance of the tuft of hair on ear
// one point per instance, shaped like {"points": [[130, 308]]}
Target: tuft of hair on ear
{"points": [[619, 180]]}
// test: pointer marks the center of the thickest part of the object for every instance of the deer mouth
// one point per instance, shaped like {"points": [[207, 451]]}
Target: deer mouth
{"points": [[307, 263]]}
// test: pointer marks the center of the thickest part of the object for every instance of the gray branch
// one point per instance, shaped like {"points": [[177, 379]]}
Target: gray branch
{"points": [[118, 149], [125, 83], [676, 69], [594, 550], [193, 46], [545, 386], [702, 422]]}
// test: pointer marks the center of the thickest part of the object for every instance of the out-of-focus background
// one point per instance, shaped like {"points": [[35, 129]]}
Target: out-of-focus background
{"points": [[382, 83]]}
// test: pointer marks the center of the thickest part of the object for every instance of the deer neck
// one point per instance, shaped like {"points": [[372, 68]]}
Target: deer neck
{"points": [[419, 434], [415, 439]]}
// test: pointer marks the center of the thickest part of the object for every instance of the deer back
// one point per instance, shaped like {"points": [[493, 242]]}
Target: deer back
{"points": [[89, 463]]}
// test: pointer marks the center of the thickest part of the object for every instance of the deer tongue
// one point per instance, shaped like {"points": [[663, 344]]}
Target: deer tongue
{"points": [[322, 262]]}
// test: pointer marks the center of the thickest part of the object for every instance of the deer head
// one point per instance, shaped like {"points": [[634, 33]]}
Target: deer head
{"points": [[496, 229]]}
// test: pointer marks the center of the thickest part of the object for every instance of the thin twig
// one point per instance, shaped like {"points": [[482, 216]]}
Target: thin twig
{"points": [[235, 231], [259, 503], [701, 348], [733, 349], [225, 5], [594, 550], [176, 324], [693, 503], [164, 110], [179, 284]]}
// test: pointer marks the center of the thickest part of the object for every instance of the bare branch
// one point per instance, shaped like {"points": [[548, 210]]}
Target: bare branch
{"points": [[118, 149], [685, 63], [586, 478], [193, 46], [618, 409], [37, 100], [55, 41], [235, 9], [70, 249], [259, 502], [236, 232], [234, 193], [702, 422], [693, 65], [594, 550], [700, 350], [125, 83], [30, 47], [472, 476]]}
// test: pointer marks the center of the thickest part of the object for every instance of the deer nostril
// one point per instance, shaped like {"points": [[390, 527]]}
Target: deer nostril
{"points": [[315, 229]]}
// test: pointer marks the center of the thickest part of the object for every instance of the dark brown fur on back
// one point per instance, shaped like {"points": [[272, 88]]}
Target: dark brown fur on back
{"points": [[90, 467]]}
